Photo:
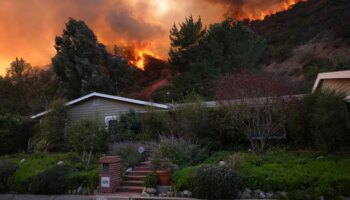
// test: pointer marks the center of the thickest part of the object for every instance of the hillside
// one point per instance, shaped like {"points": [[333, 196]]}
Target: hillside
{"points": [[313, 32]]}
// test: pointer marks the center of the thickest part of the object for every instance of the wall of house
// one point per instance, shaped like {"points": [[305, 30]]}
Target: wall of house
{"points": [[98, 108], [341, 85]]}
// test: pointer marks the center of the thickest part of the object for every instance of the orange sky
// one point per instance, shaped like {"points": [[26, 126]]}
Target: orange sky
{"points": [[28, 27]]}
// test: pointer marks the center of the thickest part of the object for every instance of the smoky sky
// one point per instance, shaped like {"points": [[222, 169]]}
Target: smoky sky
{"points": [[28, 27], [131, 28]]}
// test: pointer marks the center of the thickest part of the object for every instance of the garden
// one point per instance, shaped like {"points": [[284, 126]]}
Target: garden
{"points": [[296, 149]]}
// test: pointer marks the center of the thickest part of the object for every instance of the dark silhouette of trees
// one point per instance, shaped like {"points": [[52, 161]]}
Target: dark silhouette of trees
{"points": [[83, 65]]}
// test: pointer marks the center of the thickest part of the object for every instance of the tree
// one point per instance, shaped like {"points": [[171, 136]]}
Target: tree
{"points": [[259, 106], [52, 136], [83, 65], [15, 132], [18, 69], [86, 137], [184, 42], [25, 89], [230, 47], [226, 47]]}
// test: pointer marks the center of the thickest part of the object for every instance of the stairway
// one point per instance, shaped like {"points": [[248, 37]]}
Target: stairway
{"points": [[133, 182]]}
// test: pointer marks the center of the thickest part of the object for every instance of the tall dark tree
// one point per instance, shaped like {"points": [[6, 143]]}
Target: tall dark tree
{"points": [[83, 65], [184, 42], [203, 57], [230, 47]]}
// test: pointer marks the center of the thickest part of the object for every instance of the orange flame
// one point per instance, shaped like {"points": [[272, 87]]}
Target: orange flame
{"points": [[140, 52], [261, 14]]}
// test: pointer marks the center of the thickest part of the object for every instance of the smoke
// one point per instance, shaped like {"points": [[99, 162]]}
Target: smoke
{"points": [[28, 27], [130, 28]]}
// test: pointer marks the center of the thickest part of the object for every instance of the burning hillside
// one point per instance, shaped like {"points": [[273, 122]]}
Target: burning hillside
{"points": [[137, 54], [119, 23]]}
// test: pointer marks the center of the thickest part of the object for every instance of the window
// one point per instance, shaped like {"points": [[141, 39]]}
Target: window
{"points": [[109, 120]]}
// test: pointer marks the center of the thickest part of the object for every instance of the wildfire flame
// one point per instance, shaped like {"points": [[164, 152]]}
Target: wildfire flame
{"points": [[138, 55], [261, 14]]}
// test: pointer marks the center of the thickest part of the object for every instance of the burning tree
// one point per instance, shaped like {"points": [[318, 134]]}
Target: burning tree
{"points": [[257, 106]]}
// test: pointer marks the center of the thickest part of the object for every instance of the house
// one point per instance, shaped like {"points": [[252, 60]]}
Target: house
{"points": [[103, 107], [338, 81]]}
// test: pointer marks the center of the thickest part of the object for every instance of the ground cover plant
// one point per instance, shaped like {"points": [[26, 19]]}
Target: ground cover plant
{"points": [[46, 173]]}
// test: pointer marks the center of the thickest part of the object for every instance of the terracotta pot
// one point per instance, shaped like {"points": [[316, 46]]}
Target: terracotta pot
{"points": [[164, 177]]}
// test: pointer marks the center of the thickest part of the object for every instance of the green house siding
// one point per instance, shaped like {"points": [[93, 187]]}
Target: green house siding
{"points": [[98, 108]]}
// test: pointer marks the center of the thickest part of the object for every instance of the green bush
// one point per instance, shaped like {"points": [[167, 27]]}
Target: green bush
{"points": [[151, 180], [128, 152], [181, 179], [215, 182], [7, 169], [27, 171], [88, 179], [53, 180], [52, 133], [87, 137], [216, 157], [177, 151], [154, 123], [326, 113], [280, 171], [14, 133], [128, 127]]}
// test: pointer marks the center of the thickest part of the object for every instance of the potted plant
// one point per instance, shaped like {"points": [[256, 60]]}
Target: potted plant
{"points": [[164, 167]]}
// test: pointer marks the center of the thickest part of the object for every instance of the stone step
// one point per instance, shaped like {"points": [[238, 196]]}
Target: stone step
{"points": [[143, 168], [146, 163], [134, 177], [139, 172], [130, 189], [132, 183]]}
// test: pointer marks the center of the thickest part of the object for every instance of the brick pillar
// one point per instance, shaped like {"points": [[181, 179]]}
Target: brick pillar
{"points": [[109, 174]]}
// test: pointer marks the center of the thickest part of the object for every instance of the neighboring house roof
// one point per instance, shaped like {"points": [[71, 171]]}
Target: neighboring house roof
{"points": [[107, 96], [331, 75], [213, 104]]}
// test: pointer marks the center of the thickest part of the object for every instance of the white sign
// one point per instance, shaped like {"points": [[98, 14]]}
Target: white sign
{"points": [[104, 181]]}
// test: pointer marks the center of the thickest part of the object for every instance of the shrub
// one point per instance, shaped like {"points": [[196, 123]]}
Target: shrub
{"points": [[27, 171], [154, 123], [7, 169], [294, 172], [88, 179], [53, 180], [215, 182], [181, 179], [191, 119], [14, 133], [151, 180], [128, 127], [327, 120], [128, 151], [216, 157], [177, 151], [227, 134], [87, 137], [52, 134]]}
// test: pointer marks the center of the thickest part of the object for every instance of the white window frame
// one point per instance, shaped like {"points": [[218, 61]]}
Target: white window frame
{"points": [[109, 118]]}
